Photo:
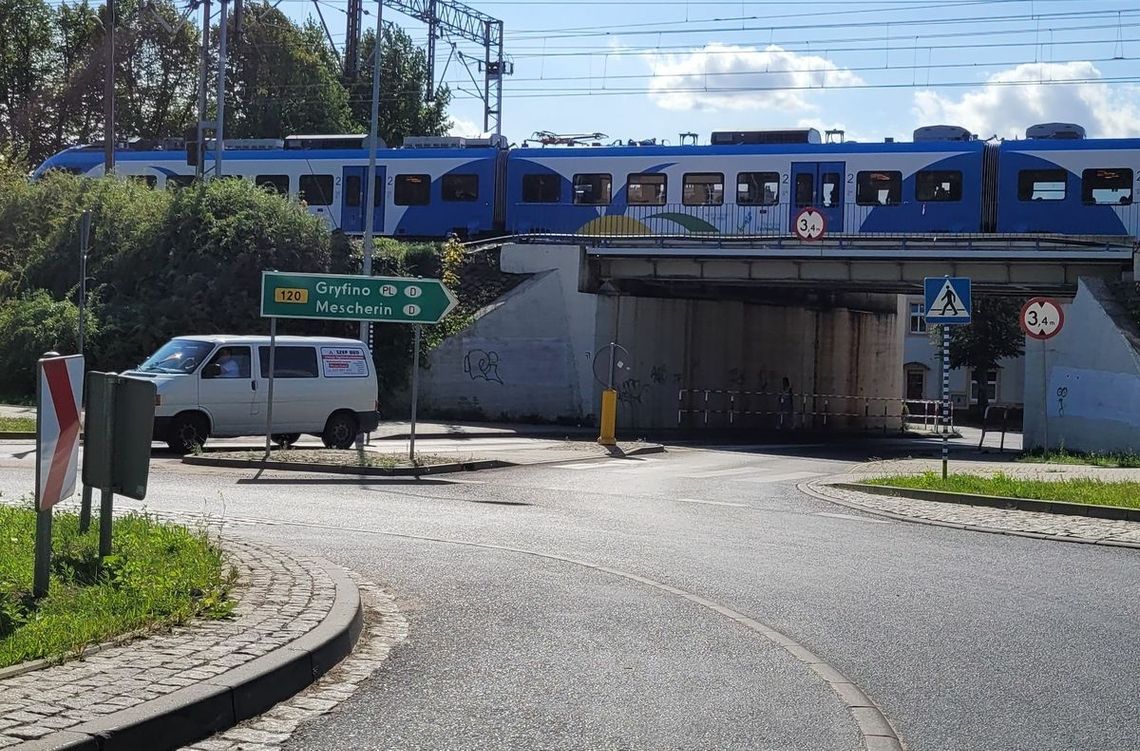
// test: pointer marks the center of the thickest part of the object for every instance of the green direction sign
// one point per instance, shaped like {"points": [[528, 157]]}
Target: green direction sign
{"points": [[354, 298]]}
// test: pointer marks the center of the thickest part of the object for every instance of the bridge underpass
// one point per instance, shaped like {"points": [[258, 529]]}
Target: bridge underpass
{"points": [[782, 335]]}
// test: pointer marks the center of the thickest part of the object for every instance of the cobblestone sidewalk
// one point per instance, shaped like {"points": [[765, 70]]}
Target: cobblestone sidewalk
{"points": [[981, 518], [279, 599]]}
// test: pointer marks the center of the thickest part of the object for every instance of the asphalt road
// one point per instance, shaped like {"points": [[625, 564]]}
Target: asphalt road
{"points": [[519, 641]]}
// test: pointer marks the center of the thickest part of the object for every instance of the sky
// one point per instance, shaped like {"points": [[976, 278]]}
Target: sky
{"points": [[639, 69]]}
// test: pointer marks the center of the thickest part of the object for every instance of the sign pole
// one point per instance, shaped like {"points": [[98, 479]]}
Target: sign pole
{"points": [[84, 243], [1045, 390], [945, 399], [415, 394], [42, 571], [272, 369], [106, 494]]}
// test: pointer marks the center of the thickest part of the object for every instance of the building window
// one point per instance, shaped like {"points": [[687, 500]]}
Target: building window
{"points": [[541, 188], [991, 387], [645, 189], [878, 188], [592, 189], [938, 185], [412, 190], [915, 384], [758, 188], [316, 190], [917, 318], [1041, 184], [460, 187], [1107, 186], [703, 189], [275, 183]]}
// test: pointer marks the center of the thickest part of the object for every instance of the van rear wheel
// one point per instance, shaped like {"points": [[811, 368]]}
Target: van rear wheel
{"points": [[340, 430], [187, 433]]}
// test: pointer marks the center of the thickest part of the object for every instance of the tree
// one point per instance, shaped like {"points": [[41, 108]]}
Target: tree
{"points": [[992, 334], [405, 106], [25, 72], [283, 81]]}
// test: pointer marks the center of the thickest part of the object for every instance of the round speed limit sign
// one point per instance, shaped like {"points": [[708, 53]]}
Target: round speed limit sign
{"points": [[1042, 318], [810, 224]]}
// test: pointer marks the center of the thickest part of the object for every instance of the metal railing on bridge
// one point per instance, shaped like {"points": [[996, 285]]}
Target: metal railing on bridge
{"points": [[726, 408]]}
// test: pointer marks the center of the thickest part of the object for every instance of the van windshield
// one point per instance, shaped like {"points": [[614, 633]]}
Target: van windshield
{"points": [[177, 356]]}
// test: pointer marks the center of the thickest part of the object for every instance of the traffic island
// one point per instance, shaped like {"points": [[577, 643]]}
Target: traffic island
{"points": [[294, 619], [341, 462]]}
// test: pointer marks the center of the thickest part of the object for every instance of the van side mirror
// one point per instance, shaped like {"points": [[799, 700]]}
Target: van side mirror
{"points": [[213, 370]]}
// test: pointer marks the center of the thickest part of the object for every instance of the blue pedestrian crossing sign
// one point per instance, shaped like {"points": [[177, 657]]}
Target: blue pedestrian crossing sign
{"points": [[947, 299]]}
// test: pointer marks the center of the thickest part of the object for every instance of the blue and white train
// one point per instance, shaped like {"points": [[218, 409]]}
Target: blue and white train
{"points": [[746, 183]]}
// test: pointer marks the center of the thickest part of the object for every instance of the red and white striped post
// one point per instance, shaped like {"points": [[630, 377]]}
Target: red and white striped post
{"points": [[59, 389]]}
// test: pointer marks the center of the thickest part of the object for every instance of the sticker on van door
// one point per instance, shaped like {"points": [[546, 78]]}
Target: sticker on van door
{"points": [[344, 362]]}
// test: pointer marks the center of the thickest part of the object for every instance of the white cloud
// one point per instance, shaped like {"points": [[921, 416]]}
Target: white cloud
{"points": [[721, 76], [1012, 100], [464, 128]]}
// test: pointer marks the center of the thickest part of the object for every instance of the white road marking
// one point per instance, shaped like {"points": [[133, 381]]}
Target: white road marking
{"points": [[712, 503], [584, 465], [779, 477], [852, 517]]}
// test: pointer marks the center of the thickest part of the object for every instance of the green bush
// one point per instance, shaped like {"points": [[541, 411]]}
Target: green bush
{"points": [[29, 327]]}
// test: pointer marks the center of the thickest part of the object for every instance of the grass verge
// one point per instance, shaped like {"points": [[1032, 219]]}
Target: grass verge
{"points": [[339, 458], [17, 425], [1127, 461], [1077, 490], [160, 575]]}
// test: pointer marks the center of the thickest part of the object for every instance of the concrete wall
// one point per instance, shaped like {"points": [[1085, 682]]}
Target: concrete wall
{"points": [[1082, 387], [532, 353]]}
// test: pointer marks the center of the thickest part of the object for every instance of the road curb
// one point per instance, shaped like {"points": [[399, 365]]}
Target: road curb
{"points": [[815, 490], [202, 709], [1092, 511], [435, 469]]}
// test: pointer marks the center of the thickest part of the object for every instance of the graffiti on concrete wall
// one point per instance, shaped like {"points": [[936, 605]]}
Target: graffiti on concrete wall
{"points": [[631, 391], [481, 364]]}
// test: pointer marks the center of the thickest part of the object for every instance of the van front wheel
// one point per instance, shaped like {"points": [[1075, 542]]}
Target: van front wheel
{"points": [[188, 432], [340, 431]]}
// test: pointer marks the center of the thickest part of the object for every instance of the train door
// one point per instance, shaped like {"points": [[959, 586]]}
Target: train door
{"points": [[354, 196], [819, 185]]}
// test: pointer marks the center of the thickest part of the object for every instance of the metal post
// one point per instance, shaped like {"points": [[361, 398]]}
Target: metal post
{"points": [[84, 244], [220, 125], [203, 74], [1045, 394], [272, 368], [109, 93], [105, 504], [370, 175], [945, 400], [415, 395], [41, 577]]}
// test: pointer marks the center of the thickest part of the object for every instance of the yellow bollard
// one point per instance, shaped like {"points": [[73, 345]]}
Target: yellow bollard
{"points": [[608, 420]]}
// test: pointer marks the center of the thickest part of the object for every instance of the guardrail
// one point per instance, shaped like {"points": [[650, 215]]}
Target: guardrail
{"points": [[787, 411]]}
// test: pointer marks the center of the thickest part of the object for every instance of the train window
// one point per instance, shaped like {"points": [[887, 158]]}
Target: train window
{"points": [[179, 181], [805, 190], [592, 189], [413, 190], [352, 188], [148, 180], [1041, 184], [831, 189], [277, 183], [758, 188], [938, 185], [316, 190], [703, 189], [460, 187], [878, 188], [542, 188], [645, 189], [1107, 186]]}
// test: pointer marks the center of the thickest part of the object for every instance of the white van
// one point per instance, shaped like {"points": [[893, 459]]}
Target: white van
{"points": [[208, 386]]}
